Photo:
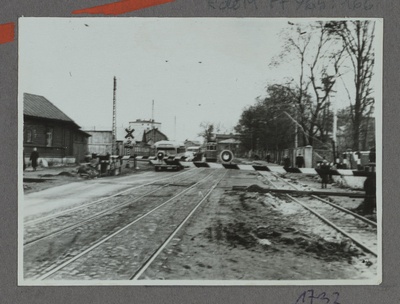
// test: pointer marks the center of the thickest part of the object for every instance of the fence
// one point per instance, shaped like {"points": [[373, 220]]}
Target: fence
{"points": [[138, 151]]}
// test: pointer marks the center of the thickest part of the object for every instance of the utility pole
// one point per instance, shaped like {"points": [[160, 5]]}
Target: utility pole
{"points": [[334, 132], [114, 120], [152, 122]]}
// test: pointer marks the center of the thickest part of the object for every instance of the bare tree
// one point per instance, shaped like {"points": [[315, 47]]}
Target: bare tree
{"points": [[357, 38], [319, 60], [207, 131]]}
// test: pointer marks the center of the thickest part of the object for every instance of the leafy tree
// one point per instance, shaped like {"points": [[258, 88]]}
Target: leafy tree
{"points": [[267, 125]]}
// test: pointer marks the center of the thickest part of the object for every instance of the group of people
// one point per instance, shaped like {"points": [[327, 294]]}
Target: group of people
{"points": [[300, 163]]}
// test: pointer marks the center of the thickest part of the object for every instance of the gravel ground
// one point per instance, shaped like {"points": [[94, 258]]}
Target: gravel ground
{"points": [[251, 236], [234, 235], [45, 178]]}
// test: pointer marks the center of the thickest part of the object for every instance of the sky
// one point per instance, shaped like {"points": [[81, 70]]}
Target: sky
{"points": [[195, 69]]}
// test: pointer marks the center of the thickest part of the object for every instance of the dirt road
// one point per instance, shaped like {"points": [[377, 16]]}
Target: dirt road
{"points": [[187, 225]]}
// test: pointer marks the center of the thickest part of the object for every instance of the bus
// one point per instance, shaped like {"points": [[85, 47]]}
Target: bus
{"points": [[170, 148], [211, 152]]}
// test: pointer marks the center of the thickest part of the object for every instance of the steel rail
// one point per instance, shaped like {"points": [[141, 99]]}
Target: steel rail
{"points": [[325, 220], [53, 269], [360, 217], [150, 260], [90, 218], [42, 219]]}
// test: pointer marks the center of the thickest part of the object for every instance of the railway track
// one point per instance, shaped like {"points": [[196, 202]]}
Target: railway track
{"points": [[42, 218], [360, 230], [59, 222], [140, 233]]}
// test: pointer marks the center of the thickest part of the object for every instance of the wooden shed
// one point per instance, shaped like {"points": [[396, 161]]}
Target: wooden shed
{"points": [[56, 136]]}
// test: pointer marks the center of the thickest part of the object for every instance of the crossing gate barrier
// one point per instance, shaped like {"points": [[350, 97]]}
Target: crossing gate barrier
{"points": [[278, 169], [226, 157]]}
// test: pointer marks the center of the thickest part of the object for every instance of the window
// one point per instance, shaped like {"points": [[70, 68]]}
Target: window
{"points": [[49, 137], [212, 147], [28, 135]]}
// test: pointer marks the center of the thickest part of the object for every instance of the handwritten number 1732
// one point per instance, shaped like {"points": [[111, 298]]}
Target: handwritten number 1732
{"points": [[310, 297]]}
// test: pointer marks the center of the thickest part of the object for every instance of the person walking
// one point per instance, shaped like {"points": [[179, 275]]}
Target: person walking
{"points": [[34, 158], [370, 193], [286, 162], [324, 173]]}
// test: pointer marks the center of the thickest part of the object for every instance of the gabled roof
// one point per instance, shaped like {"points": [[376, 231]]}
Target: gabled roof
{"points": [[38, 106], [146, 134]]}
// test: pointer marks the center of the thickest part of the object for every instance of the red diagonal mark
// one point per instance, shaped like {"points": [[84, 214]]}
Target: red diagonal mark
{"points": [[120, 7], [7, 32]]}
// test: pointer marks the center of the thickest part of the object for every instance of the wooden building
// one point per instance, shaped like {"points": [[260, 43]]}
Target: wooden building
{"points": [[152, 136], [100, 142], [57, 137]]}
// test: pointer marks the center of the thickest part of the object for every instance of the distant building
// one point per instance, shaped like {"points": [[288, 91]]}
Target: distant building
{"points": [[56, 136], [152, 136], [144, 137], [100, 142], [140, 126]]}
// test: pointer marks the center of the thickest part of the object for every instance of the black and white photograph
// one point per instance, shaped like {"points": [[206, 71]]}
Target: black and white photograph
{"points": [[200, 151]]}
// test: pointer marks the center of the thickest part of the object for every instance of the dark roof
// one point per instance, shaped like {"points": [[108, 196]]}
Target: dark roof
{"points": [[38, 106], [85, 133], [148, 133]]}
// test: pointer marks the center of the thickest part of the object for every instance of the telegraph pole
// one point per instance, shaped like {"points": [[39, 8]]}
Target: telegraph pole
{"points": [[152, 122], [334, 133], [114, 120]]}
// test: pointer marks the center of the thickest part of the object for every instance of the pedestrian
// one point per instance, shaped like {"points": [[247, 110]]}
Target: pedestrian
{"points": [[286, 162], [34, 158], [300, 161], [324, 173], [268, 158], [23, 158], [370, 192], [372, 155]]}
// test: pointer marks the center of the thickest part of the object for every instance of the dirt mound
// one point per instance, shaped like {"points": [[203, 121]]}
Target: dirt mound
{"points": [[247, 206], [64, 173], [301, 242], [255, 188], [239, 234], [280, 237], [47, 175], [88, 171], [235, 234]]}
